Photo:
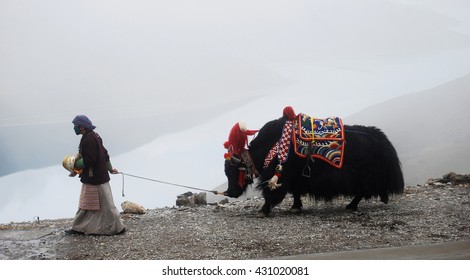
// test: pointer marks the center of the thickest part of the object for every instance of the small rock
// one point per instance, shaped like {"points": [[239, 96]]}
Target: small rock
{"points": [[457, 179], [200, 198], [223, 201], [129, 207], [190, 200]]}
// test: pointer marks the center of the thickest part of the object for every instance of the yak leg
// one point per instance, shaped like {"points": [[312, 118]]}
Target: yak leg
{"points": [[384, 198], [265, 210], [297, 206], [296, 192], [353, 205], [271, 199]]}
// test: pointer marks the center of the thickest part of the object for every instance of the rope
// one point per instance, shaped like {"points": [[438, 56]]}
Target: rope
{"points": [[159, 181]]}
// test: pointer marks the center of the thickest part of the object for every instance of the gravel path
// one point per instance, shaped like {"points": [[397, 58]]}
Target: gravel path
{"points": [[423, 215]]}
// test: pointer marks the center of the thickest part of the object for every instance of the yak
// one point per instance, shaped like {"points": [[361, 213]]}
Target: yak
{"points": [[366, 166]]}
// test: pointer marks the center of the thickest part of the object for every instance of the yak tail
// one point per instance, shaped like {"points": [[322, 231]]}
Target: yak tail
{"points": [[397, 183]]}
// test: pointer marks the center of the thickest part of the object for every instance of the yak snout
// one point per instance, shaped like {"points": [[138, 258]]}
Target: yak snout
{"points": [[232, 171]]}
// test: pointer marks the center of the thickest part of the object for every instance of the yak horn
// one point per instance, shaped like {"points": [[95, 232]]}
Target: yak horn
{"points": [[235, 161]]}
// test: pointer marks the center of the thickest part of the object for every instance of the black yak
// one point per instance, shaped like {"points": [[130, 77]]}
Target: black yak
{"points": [[363, 164]]}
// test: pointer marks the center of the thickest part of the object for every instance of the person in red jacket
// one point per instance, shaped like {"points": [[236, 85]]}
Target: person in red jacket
{"points": [[96, 213]]}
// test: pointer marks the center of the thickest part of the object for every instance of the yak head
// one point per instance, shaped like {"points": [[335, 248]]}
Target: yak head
{"points": [[244, 162], [235, 168], [238, 176]]}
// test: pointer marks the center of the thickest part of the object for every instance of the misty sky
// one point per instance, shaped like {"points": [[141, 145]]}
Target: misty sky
{"points": [[112, 59]]}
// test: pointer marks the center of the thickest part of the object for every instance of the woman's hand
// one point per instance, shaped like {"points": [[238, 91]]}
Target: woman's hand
{"points": [[114, 171]]}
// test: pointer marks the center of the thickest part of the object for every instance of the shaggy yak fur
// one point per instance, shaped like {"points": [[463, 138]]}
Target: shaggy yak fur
{"points": [[371, 168]]}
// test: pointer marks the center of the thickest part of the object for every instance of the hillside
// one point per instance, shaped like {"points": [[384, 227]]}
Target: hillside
{"points": [[430, 129]]}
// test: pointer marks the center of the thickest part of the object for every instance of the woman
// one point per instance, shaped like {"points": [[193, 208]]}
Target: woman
{"points": [[97, 213]]}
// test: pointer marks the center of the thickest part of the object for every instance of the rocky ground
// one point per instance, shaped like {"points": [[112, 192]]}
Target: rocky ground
{"points": [[438, 211]]}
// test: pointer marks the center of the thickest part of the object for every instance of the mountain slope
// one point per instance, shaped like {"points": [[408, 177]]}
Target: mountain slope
{"points": [[430, 129]]}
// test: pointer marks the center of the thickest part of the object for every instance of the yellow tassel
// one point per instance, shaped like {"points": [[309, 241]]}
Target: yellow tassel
{"points": [[272, 184]]}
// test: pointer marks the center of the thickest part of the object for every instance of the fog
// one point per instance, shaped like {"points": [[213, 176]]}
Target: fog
{"points": [[164, 81], [133, 58]]}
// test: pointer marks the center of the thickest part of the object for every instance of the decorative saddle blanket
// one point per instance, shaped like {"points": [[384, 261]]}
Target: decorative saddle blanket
{"points": [[317, 138], [325, 137]]}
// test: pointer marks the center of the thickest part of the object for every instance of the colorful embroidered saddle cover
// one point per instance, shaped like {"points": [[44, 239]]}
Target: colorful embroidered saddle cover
{"points": [[325, 137]]}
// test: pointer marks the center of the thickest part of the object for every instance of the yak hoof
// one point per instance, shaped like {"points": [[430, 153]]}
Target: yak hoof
{"points": [[384, 199], [261, 214], [295, 210]]}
